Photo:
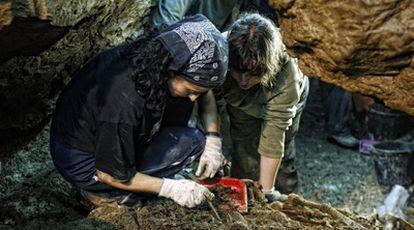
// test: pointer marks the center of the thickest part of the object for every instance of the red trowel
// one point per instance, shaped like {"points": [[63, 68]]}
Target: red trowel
{"points": [[238, 195]]}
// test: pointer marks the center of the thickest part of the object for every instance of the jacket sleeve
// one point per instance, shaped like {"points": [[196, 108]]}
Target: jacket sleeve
{"points": [[168, 12], [278, 115], [115, 150]]}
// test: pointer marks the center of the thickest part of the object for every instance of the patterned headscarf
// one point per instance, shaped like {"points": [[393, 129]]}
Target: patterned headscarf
{"points": [[199, 51]]}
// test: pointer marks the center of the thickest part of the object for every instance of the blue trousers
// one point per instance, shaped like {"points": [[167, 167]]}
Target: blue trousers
{"points": [[170, 150]]}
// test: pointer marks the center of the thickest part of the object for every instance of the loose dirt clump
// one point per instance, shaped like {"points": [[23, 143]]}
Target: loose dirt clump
{"points": [[223, 197]]}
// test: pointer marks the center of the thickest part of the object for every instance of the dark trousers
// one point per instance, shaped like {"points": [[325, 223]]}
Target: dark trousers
{"points": [[337, 104], [170, 150], [245, 132]]}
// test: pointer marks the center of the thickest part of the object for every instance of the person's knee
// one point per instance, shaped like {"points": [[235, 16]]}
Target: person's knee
{"points": [[189, 137], [198, 139], [289, 168], [196, 135], [287, 182]]}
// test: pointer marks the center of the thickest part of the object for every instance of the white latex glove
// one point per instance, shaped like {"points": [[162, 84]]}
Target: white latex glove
{"points": [[274, 195], [212, 158], [184, 192]]}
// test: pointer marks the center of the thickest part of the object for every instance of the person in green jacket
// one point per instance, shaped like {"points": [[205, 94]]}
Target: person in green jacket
{"points": [[265, 93]]}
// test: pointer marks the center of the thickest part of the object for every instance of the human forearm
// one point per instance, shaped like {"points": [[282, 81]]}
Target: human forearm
{"points": [[211, 159], [184, 192], [139, 183], [209, 113], [268, 171]]}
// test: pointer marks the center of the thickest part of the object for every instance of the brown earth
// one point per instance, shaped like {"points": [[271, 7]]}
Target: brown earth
{"points": [[295, 213], [65, 212]]}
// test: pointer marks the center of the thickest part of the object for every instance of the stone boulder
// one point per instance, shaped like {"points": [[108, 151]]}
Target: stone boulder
{"points": [[43, 42], [360, 45]]}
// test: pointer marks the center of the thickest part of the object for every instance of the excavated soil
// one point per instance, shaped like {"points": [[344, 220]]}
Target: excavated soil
{"points": [[295, 213], [333, 181]]}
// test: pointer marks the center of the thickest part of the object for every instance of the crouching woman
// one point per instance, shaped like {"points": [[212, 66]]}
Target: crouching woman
{"points": [[108, 138]]}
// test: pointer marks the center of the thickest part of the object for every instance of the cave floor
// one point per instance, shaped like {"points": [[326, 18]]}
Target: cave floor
{"points": [[33, 194]]}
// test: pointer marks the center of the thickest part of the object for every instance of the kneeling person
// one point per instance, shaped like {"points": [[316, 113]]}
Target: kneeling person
{"points": [[107, 137], [265, 95]]}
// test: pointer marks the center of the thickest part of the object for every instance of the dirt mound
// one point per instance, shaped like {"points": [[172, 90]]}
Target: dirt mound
{"points": [[39, 207], [295, 213]]}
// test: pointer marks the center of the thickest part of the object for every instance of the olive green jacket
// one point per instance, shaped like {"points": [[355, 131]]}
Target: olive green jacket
{"points": [[276, 106]]}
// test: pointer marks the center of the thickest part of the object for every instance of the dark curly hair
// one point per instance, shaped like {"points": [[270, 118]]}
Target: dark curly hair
{"points": [[150, 61]]}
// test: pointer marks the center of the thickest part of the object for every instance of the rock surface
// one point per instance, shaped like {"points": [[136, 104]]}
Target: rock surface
{"points": [[44, 42], [362, 46], [6, 15]]}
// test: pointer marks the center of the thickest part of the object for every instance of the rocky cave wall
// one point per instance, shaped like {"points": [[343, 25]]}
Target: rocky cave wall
{"points": [[43, 42], [364, 46]]}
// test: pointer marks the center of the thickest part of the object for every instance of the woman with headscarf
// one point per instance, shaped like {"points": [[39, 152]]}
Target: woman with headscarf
{"points": [[111, 134]]}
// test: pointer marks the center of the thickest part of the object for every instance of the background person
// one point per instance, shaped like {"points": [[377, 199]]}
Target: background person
{"points": [[337, 103], [221, 13]]}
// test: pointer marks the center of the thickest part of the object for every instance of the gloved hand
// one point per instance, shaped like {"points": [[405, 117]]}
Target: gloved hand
{"points": [[212, 158], [274, 195], [184, 192]]}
